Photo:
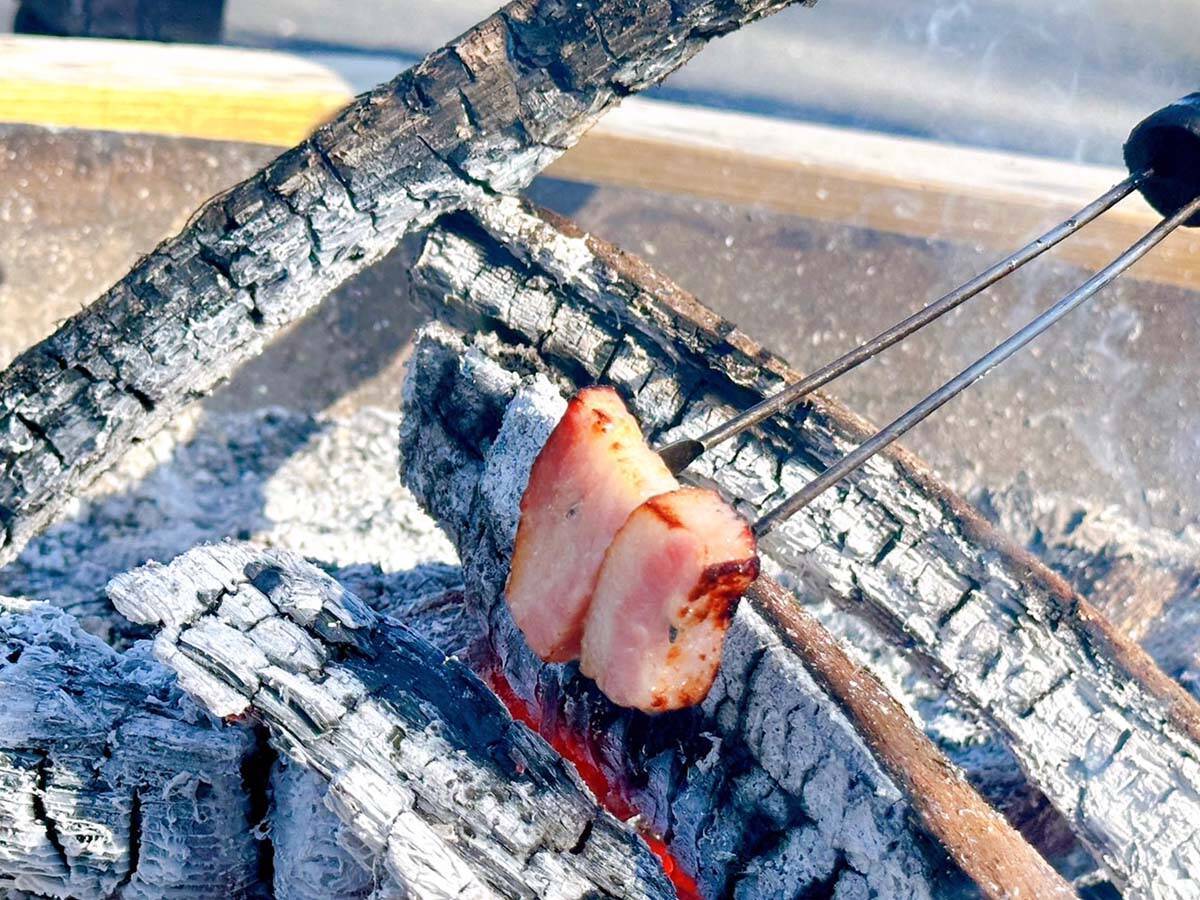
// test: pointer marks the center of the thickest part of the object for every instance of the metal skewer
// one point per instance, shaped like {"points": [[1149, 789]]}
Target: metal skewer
{"points": [[680, 454], [976, 370]]}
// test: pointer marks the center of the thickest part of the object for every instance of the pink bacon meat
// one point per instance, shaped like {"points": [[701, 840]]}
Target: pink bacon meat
{"points": [[666, 591], [594, 470]]}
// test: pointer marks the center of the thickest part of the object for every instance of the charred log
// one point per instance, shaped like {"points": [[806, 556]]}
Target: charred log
{"points": [[434, 777], [111, 781], [1108, 738], [481, 115], [792, 799], [1145, 579], [310, 843], [317, 855]]}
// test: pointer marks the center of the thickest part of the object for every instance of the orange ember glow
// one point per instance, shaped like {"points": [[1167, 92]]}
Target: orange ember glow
{"points": [[575, 748]]}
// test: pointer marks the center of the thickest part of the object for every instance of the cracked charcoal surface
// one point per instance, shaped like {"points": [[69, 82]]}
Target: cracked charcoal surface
{"points": [[1145, 579], [199, 461], [482, 115], [426, 766], [323, 486], [1095, 727], [764, 791], [112, 780]]}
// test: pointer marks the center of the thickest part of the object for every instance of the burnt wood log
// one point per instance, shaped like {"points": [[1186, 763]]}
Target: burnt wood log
{"points": [[311, 858], [316, 855], [470, 434], [112, 782], [433, 775], [482, 115], [1145, 579], [324, 487], [1103, 733]]}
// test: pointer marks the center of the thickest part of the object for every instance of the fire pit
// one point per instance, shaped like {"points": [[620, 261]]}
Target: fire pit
{"points": [[344, 704]]}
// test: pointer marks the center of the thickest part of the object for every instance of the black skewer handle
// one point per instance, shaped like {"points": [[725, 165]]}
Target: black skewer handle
{"points": [[1168, 142]]}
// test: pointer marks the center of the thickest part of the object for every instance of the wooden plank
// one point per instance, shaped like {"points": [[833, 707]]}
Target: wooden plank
{"points": [[221, 93], [918, 188]]}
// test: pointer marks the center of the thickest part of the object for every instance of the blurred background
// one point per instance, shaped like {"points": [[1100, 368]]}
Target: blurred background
{"points": [[1065, 78]]}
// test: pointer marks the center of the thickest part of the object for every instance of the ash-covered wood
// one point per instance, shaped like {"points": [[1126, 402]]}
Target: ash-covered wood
{"points": [[433, 776], [766, 790], [324, 487], [481, 115], [1108, 738], [1145, 579], [112, 783], [311, 860], [316, 855]]}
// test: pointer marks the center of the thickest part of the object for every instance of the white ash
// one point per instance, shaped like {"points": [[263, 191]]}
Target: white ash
{"points": [[111, 780], [325, 488]]}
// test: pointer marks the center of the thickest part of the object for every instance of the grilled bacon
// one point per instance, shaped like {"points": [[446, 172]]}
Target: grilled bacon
{"points": [[666, 590], [594, 470]]}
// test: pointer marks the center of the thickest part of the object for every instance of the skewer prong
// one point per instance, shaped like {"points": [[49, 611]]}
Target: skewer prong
{"points": [[680, 454], [975, 371]]}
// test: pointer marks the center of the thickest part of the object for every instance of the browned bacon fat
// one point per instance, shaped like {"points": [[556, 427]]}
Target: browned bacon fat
{"points": [[666, 591], [592, 473]]}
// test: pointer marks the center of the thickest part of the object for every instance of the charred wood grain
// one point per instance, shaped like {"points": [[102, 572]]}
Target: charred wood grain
{"points": [[317, 856], [112, 782], [482, 115], [1145, 579], [1101, 731], [438, 783]]}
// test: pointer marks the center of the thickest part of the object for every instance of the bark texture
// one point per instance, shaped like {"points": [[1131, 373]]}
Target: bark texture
{"points": [[481, 115], [766, 790], [438, 782], [1146, 580], [1108, 738], [112, 783]]}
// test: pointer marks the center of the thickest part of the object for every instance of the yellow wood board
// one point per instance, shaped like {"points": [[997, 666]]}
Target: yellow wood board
{"points": [[918, 188], [219, 93]]}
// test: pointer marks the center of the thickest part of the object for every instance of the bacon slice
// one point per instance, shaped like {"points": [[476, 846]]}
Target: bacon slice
{"points": [[593, 472], [666, 591]]}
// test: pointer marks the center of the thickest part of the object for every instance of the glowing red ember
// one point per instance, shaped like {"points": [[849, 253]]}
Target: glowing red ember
{"points": [[578, 750]]}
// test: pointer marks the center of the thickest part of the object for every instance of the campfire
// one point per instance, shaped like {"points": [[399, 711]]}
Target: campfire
{"points": [[249, 719]]}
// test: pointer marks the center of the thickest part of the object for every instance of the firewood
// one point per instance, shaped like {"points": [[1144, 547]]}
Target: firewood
{"points": [[112, 782], [1108, 737], [468, 459], [325, 487], [429, 769], [1143, 577], [484, 114]]}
